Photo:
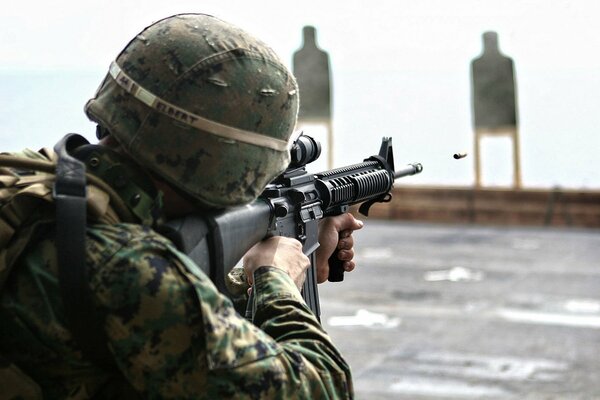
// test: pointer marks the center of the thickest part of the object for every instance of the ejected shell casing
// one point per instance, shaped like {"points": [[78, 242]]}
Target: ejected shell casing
{"points": [[458, 156]]}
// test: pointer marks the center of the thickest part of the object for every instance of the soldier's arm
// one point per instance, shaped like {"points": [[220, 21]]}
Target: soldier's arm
{"points": [[174, 335]]}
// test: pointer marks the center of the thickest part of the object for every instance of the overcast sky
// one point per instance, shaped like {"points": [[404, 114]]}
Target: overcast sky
{"points": [[405, 33], [400, 67]]}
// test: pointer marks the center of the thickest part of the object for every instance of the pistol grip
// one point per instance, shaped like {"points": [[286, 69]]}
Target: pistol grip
{"points": [[336, 268]]}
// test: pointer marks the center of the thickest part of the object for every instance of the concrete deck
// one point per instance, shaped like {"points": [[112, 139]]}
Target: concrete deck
{"points": [[470, 312]]}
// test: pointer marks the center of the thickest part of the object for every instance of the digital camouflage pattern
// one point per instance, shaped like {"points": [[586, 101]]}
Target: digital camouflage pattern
{"points": [[217, 71], [171, 333]]}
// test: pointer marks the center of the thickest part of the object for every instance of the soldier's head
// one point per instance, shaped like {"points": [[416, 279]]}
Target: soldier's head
{"points": [[203, 105]]}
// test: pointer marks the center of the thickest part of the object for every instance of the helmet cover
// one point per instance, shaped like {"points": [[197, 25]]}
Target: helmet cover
{"points": [[202, 104]]}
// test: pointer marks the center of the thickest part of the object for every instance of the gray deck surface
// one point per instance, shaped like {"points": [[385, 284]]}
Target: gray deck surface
{"points": [[467, 312]]}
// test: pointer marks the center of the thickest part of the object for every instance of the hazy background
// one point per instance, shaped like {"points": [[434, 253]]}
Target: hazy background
{"points": [[400, 69]]}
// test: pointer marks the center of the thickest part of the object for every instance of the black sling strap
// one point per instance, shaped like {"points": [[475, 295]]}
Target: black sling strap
{"points": [[69, 194]]}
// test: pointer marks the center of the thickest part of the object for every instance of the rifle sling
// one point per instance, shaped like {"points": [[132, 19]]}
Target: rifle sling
{"points": [[69, 193]]}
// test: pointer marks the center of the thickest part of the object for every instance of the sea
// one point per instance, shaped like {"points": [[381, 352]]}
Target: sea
{"points": [[427, 113]]}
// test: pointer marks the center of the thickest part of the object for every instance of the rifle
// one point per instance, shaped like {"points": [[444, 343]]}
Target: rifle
{"points": [[291, 205]]}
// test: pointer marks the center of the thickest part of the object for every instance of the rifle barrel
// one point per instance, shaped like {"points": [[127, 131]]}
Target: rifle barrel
{"points": [[410, 169]]}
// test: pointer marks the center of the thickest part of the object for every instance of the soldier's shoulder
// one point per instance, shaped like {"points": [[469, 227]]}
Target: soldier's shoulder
{"points": [[109, 243], [128, 261], [124, 234]]}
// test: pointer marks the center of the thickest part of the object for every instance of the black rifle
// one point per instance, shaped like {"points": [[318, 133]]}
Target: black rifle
{"points": [[291, 206]]}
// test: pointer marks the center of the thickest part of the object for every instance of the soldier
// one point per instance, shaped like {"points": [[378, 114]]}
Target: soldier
{"points": [[194, 114]]}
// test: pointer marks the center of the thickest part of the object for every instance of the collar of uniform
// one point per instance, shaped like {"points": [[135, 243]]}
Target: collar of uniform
{"points": [[135, 187]]}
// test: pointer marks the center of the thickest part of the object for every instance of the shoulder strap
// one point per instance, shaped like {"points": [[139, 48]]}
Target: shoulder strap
{"points": [[69, 194]]}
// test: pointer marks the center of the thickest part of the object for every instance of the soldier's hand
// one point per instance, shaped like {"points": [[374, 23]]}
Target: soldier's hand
{"points": [[336, 233], [280, 252]]}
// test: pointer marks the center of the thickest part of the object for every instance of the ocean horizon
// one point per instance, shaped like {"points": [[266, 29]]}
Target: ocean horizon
{"points": [[427, 113]]}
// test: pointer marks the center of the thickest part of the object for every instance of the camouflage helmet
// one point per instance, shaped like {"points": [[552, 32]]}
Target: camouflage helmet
{"points": [[204, 105]]}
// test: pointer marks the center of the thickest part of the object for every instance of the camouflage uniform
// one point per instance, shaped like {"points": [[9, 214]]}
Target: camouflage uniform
{"points": [[210, 110], [171, 333]]}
